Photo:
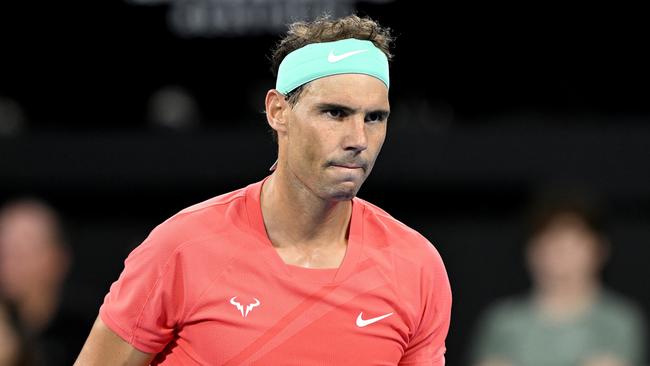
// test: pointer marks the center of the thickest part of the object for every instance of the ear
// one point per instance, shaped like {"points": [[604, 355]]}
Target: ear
{"points": [[276, 111]]}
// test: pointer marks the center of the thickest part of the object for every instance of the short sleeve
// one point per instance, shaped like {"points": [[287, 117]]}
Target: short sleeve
{"points": [[427, 345], [625, 335], [144, 305]]}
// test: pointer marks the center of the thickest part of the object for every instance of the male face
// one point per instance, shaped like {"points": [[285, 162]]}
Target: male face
{"points": [[564, 251], [335, 132], [30, 256]]}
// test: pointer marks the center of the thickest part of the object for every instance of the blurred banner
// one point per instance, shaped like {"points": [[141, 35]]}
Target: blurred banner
{"points": [[209, 18]]}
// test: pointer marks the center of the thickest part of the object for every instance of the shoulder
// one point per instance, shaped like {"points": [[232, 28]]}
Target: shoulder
{"points": [[508, 317], [197, 226], [513, 307], [384, 231], [414, 262], [618, 309], [206, 218], [205, 215]]}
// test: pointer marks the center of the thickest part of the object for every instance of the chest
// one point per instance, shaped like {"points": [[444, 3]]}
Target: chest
{"points": [[261, 318], [329, 257], [571, 344]]}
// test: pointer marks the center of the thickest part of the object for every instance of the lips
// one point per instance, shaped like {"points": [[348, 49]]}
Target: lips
{"points": [[348, 166]]}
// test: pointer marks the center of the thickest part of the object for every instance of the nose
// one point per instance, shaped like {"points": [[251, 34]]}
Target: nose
{"points": [[357, 136]]}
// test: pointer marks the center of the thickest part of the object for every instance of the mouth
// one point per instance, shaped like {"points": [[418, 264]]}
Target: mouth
{"points": [[348, 166]]}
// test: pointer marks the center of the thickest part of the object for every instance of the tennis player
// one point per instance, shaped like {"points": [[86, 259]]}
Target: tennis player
{"points": [[293, 269]]}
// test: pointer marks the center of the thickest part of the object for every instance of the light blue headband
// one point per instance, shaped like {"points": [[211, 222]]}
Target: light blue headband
{"points": [[317, 60]]}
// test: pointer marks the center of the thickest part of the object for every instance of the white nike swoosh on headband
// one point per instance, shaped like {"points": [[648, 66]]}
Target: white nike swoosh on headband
{"points": [[332, 58]]}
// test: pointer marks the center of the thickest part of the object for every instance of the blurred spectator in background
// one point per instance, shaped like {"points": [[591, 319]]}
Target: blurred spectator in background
{"points": [[12, 117], [569, 318], [34, 262], [173, 108], [11, 347]]}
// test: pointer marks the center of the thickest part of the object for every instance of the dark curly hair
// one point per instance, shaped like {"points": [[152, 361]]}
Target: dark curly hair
{"points": [[324, 29]]}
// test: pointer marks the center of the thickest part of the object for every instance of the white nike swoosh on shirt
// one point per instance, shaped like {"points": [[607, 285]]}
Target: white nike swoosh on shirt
{"points": [[332, 58], [362, 323]]}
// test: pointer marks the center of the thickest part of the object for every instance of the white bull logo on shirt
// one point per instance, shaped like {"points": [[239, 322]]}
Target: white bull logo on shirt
{"points": [[249, 307]]}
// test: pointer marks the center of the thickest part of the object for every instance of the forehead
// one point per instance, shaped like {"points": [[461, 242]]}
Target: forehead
{"points": [[567, 228], [354, 90], [27, 221]]}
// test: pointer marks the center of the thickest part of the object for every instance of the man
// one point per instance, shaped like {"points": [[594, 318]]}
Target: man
{"points": [[570, 318], [34, 264], [292, 269]]}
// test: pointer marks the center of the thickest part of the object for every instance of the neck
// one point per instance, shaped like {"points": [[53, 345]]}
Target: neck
{"points": [[295, 216], [36, 308], [566, 300]]}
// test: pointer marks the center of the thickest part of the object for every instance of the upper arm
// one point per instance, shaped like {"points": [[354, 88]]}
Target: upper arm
{"points": [[104, 347], [427, 346], [146, 304], [139, 313]]}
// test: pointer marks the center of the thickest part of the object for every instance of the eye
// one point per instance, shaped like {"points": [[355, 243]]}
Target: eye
{"points": [[335, 113], [376, 117]]}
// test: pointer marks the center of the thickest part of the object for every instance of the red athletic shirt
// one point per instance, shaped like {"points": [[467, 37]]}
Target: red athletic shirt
{"points": [[208, 288]]}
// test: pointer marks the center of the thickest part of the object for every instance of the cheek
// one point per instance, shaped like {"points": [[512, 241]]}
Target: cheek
{"points": [[547, 256], [308, 154], [585, 257], [306, 143], [565, 256], [309, 142], [376, 138], [380, 136]]}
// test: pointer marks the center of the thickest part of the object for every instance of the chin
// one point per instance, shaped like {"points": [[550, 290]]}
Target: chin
{"points": [[345, 192], [340, 187], [344, 197]]}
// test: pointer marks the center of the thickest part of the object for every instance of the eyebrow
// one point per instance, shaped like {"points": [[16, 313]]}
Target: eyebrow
{"points": [[325, 106]]}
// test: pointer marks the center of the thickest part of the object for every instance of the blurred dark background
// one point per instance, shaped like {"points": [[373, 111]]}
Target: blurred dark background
{"points": [[122, 113]]}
